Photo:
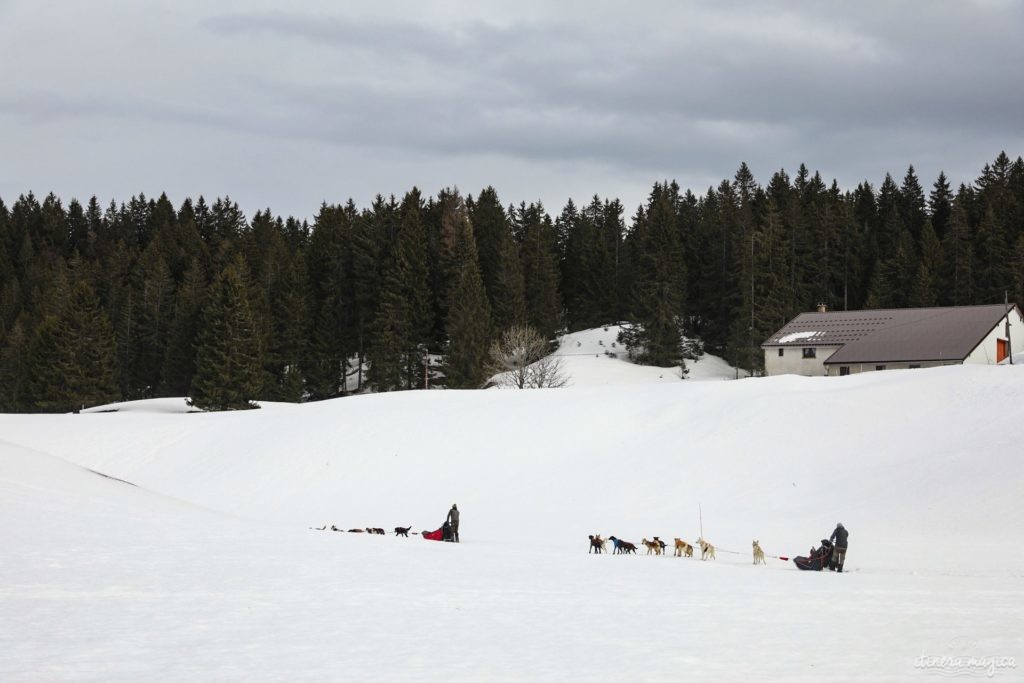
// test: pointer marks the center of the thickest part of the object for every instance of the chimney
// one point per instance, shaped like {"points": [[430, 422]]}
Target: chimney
{"points": [[822, 307]]}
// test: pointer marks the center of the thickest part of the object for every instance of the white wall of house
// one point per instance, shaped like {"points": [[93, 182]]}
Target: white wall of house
{"points": [[857, 368], [985, 352], [792, 361]]}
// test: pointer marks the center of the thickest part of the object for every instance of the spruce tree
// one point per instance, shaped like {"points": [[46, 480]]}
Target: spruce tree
{"points": [[992, 264], [927, 282], [71, 360], [539, 254], [940, 202], [958, 258], [14, 355], [153, 313], [912, 205], [1018, 271], [659, 292], [179, 363], [468, 325], [499, 260], [288, 341], [923, 293], [332, 304], [391, 337], [229, 358], [365, 246], [764, 282], [591, 265]]}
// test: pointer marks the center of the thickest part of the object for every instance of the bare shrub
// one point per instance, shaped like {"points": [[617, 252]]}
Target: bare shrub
{"points": [[520, 360]]}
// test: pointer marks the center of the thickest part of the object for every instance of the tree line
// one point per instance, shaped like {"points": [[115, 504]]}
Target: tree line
{"points": [[142, 299]]}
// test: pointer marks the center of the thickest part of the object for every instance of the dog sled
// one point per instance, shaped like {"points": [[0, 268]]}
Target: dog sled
{"points": [[442, 534], [818, 559]]}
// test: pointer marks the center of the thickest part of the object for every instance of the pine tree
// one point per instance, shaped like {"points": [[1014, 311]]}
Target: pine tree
{"points": [[927, 282], [229, 358], [77, 227], [579, 238], [71, 359], [707, 253], [940, 202], [1018, 271], [659, 288], [179, 363], [890, 223], [413, 274], [893, 280], [153, 313], [53, 225], [992, 264], [365, 243], [539, 253], [923, 292], [468, 325], [333, 308], [392, 333], [14, 368], [958, 258], [912, 205], [499, 260], [288, 341], [764, 279]]}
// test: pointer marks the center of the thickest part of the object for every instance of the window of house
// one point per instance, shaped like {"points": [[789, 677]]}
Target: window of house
{"points": [[780, 352], [844, 370], [915, 366], [879, 367], [810, 353]]}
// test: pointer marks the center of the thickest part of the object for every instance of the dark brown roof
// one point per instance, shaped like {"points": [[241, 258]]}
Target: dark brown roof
{"points": [[893, 335]]}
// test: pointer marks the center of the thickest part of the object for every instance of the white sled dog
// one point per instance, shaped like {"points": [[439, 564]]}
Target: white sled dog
{"points": [[758, 554], [706, 549]]}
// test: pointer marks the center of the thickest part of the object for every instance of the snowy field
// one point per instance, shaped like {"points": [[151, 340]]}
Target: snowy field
{"points": [[204, 566]]}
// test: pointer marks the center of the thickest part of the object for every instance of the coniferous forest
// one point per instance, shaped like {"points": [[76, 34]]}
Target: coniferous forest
{"points": [[144, 298]]}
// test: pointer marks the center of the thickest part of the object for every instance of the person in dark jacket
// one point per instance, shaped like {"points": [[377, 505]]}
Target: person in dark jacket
{"points": [[839, 551], [453, 519]]}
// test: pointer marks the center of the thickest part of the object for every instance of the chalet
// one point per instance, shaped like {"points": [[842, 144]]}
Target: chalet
{"points": [[848, 342]]}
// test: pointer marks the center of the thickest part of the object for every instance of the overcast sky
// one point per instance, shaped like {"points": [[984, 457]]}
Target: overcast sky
{"points": [[288, 105]]}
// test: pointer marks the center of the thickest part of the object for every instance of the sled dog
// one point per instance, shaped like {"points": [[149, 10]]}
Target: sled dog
{"points": [[683, 549], [758, 553], [706, 549]]}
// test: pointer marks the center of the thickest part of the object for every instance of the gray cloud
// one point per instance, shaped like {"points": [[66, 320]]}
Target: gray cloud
{"points": [[622, 96]]}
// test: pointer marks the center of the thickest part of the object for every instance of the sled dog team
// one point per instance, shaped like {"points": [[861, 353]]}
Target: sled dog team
{"points": [[657, 547]]}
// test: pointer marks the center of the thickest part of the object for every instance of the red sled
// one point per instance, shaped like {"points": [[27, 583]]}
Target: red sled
{"points": [[442, 534]]}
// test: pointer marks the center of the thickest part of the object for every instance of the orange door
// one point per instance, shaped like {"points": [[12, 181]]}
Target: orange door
{"points": [[1001, 345]]}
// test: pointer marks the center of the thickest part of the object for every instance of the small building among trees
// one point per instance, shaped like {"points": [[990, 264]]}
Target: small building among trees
{"points": [[850, 342]]}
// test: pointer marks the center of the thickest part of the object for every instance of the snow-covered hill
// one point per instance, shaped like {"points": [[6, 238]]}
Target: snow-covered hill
{"points": [[204, 565], [596, 358]]}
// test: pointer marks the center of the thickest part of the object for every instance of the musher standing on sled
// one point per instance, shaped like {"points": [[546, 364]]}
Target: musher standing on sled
{"points": [[839, 551]]}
